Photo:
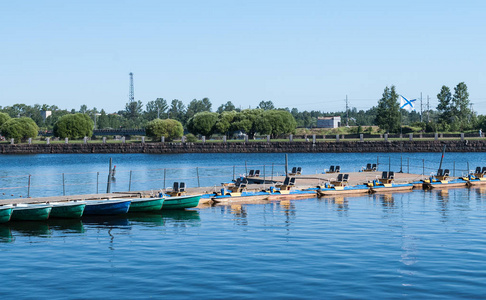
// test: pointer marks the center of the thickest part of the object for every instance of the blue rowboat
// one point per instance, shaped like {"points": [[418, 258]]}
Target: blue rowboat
{"points": [[106, 207]]}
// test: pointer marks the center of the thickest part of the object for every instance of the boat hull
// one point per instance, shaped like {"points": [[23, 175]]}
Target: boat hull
{"points": [[239, 199], [181, 202], [68, 210], [333, 192], [106, 207], [296, 195], [439, 185], [5, 214], [146, 204], [31, 213], [391, 189]]}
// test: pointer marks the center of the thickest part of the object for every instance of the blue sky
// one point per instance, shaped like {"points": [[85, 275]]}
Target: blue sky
{"points": [[304, 54]]}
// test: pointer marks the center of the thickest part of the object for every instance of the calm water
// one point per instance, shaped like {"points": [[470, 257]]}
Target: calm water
{"points": [[72, 174], [404, 245]]}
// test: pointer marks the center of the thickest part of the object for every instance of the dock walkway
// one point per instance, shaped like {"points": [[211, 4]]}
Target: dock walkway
{"points": [[301, 182]]}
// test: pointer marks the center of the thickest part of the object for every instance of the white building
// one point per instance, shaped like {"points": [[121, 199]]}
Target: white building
{"points": [[328, 122]]}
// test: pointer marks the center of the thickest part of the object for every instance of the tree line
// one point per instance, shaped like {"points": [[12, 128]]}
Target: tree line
{"points": [[452, 113]]}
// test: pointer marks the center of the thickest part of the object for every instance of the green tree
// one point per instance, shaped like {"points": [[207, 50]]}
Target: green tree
{"points": [[228, 106], [74, 126], [102, 121], [197, 106], [203, 123], [444, 107], [156, 109], [20, 129], [460, 106], [4, 117], [224, 123], [169, 128], [177, 111], [388, 111], [133, 114], [266, 105], [275, 123]]}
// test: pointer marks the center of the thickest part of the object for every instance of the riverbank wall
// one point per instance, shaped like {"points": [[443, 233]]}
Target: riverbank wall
{"points": [[251, 147]]}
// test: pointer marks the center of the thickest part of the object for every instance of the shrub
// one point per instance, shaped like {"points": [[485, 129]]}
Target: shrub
{"points": [[73, 126], [20, 129], [169, 128]]}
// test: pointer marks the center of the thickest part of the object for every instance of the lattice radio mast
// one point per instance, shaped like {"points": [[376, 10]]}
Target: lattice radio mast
{"points": [[131, 93]]}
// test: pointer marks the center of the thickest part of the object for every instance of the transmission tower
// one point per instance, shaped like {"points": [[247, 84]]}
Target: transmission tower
{"points": [[131, 93]]}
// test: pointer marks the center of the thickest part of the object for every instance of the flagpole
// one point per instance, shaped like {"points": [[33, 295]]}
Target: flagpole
{"points": [[401, 141]]}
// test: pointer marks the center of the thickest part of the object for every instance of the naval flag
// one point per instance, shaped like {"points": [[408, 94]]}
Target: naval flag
{"points": [[406, 104]]}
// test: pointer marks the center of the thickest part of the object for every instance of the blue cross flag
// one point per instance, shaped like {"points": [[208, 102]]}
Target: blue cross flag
{"points": [[406, 104]]}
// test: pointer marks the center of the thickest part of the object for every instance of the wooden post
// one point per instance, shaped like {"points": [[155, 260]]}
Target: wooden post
{"points": [[28, 188], [197, 171], [130, 181], [165, 170], [97, 181], [63, 186], [108, 184]]}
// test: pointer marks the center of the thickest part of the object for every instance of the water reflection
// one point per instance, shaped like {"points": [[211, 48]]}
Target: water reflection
{"points": [[6, 234]]}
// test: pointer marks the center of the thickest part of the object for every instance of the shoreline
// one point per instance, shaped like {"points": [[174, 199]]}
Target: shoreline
{"points": [[251, 147]]}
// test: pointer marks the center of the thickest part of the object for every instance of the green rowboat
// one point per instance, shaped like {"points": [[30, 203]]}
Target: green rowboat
{"points": [[31, 212], [70, 210], [181, 202], [146, 204], [5, 214]]}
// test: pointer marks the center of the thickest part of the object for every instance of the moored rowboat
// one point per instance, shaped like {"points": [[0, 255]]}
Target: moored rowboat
{"points": [[181, 202], [5, 214], [70, 210], [106, 207], [146, 204], [30, 212]]}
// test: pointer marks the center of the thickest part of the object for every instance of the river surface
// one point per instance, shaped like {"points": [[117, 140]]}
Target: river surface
{"points": [[404, 245]]}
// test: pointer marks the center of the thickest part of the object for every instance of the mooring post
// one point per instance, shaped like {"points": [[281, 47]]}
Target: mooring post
{"points": [[468, 167], [246, 169], [63, 186], [454, 168], [130, 182], [423, 166], [286, 165], [28, 188], [97, 181], [272, 171], [197, 171], [108, 184], [165, 170], [263, 176], [389, 163], [408, 165], [234, 172]]}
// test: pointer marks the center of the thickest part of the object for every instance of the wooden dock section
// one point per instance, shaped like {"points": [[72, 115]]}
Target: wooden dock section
{"points": [[301, 182]]}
